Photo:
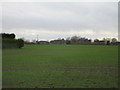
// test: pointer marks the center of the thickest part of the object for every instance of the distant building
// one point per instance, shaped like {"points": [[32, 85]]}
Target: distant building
{"points": [[115, 43], [62, 41], [81, 41], [43, 42], [99, 43]]}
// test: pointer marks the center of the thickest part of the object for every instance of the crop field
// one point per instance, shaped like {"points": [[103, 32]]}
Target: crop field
{"points": [[60, 66]]}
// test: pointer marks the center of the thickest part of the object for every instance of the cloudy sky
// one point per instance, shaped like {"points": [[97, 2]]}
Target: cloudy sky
{"points": [[50, 20]]}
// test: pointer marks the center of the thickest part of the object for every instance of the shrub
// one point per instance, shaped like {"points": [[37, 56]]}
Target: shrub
{"points": [[12, 43], [20, 43]]}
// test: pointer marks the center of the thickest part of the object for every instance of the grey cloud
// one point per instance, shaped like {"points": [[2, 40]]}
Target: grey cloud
{"points": [[62, 17]]}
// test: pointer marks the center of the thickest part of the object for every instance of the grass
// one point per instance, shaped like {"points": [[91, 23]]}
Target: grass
{"points": [[61, 66]]}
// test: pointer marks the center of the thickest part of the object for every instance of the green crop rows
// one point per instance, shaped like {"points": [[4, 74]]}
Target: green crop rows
{"points": [[60, 66]]}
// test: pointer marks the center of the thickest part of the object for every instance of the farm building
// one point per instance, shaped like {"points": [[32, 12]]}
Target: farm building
{"points": [[43, 42]]}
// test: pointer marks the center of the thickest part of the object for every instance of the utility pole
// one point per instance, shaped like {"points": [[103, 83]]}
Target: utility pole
{"points": [[37, 39]]}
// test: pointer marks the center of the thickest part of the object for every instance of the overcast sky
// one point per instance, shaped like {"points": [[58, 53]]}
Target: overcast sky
{"points": [[60, 20]]}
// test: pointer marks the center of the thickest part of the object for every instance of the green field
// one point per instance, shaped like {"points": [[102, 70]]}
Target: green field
{"points": [[60, 66]]}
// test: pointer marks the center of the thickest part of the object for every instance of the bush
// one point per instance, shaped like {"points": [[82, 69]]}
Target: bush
{"points": [[20, 43], [12, 43]]}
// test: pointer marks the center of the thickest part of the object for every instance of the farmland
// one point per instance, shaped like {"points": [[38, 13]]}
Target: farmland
{"points": [[60, 66]]}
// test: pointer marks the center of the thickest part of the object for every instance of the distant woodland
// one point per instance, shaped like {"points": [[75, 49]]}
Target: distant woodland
{"points": [[77, 40], [9, 41]]}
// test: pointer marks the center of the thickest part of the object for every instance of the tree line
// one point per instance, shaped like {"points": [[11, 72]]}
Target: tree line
{"points": [[78, 41], [9, 41]]}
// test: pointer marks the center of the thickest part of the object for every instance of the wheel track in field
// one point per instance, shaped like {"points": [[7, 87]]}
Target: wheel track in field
{"points": [[65, 71], [93, 69]]}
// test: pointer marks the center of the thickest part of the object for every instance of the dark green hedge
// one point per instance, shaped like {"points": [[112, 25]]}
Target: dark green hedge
{"points": [[12, 43]]}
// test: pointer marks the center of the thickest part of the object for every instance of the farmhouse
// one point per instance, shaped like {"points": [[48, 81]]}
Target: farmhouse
{"points": [[98, 43], [58, 41], [43, 42]]}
